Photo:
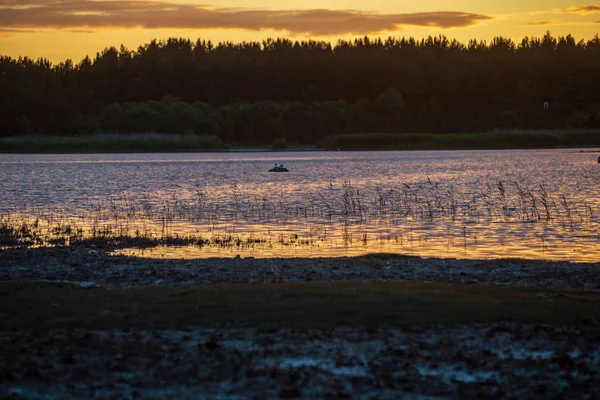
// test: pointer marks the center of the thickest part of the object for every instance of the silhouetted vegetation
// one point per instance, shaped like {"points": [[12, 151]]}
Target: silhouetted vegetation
{"points": [[111, 143], [250, 93], [279, 144], [459, 141]]}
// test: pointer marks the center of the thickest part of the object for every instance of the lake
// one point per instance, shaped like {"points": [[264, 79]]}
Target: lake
{"points": [[464, 204]]}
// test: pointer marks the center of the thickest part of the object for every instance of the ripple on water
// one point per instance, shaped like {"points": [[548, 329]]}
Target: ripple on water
{"points": [[427, 203]]}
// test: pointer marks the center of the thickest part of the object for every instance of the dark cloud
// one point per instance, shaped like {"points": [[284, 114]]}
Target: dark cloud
{"points": [[583, 9], [63, 14]]}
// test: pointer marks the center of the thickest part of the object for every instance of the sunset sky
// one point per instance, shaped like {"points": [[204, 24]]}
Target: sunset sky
{"points": [[61, 29]]}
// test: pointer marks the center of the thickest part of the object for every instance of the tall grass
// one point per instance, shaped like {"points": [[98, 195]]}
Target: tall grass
{"points": [[464, 141], [239, 219], [111, 143]]}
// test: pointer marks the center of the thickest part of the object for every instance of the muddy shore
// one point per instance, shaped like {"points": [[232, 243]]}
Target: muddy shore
{"points": [[499, 361], [88, 342], [94, 266]]}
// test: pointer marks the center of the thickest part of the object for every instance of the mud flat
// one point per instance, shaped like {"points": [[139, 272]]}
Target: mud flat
{"points": [[79, 323]]}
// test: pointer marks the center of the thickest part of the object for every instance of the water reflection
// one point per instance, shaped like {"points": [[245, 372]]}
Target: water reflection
{"points": [[529, 204]]}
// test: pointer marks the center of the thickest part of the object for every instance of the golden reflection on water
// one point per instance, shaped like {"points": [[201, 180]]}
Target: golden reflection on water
{"points": [[479, 205], [336, 227], [452, 242], [428, 250]]}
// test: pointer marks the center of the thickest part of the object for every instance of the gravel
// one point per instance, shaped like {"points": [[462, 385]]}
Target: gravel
{"points": [[92, 266]]}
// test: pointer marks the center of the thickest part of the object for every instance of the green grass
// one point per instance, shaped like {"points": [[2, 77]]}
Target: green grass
{"points": [[111, 143], [42, 306], [465, 141]]}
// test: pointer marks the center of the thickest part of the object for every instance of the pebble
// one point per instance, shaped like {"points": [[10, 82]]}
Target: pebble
{"points": [[100, 269]]}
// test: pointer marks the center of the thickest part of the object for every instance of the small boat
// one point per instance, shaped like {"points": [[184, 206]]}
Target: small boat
{"points": [[279, 168]]}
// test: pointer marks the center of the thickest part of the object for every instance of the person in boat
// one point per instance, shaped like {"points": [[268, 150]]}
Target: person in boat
{"points": [[278, 168]]}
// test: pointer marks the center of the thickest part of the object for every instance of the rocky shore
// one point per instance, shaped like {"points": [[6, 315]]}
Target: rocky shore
{"points": [[93, 266], [62, 357]]}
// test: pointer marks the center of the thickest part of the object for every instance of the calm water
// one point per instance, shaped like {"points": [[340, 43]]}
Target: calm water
{"points": [[434, 203]]}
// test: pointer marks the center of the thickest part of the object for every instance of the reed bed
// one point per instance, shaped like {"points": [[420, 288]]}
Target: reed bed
{"points": [[342, 212]]}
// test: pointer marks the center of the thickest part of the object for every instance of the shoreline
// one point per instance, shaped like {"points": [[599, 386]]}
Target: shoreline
{"points": [[106, 143], [267, 150], [93, 266], [376, 326]]}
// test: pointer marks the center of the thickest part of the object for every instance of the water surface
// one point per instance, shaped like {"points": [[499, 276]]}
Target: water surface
{"points": [[466, 204]]}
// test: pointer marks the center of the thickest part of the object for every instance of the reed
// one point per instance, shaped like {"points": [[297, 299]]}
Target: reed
{"points": [[398, 213]]}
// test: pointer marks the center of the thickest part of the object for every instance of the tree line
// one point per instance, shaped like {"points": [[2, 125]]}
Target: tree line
{"points": [[254, 92]]}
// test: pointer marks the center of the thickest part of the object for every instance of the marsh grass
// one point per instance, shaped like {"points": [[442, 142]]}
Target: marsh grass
{"points": [[513, 139], [343, 214], [111, 143]]}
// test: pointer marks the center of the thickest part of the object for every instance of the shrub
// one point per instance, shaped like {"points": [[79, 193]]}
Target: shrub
{"points": [[279, 144]]}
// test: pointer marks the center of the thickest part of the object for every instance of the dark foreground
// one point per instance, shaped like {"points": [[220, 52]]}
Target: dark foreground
{"points": [[500, 361], [378, 327]]}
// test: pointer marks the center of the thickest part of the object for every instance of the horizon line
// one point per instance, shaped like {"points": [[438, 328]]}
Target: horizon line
{"points": [[332, 43]]}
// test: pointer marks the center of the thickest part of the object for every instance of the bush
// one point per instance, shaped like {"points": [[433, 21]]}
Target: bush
{"points": [[579, 120], [279, 144]]}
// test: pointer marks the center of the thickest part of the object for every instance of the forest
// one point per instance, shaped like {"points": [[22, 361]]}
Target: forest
{"points": [[304, 91]]}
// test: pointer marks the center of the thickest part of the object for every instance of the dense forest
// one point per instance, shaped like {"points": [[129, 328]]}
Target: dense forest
{"points": [[303, 91]]}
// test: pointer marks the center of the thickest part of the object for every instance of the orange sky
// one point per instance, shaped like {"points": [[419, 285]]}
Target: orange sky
{"points": [[61, 29]]}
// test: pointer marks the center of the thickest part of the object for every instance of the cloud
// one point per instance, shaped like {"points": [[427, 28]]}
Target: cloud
{"points": [[541, 23], [582, 9], [151, 14], [12, 30], [81, 31], [9, 32]]}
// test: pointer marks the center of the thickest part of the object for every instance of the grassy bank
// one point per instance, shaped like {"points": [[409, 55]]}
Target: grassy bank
{"points": [[465, 141], [155, 142], [40, 306], [111, 143]]}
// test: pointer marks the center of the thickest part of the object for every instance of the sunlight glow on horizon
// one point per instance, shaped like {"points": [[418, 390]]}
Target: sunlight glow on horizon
{"points": [[86, 29]]}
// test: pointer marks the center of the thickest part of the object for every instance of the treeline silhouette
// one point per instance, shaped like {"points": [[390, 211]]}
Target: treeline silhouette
{"points": [[256, 92]]}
